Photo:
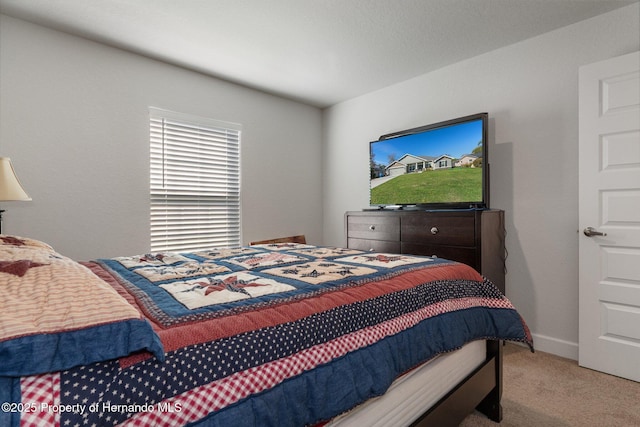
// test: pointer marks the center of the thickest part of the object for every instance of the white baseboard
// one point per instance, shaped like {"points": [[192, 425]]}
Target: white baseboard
{"points": [[562, 348]]}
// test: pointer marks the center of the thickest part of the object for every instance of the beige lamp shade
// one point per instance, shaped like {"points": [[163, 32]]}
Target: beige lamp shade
{"points": [[10, 187]]}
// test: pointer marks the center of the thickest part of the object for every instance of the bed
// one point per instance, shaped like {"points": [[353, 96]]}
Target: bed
{"points": [[283, 334]]}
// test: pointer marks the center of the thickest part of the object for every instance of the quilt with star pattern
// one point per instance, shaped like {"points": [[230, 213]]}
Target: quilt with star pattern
{"points": [[279, 334]]}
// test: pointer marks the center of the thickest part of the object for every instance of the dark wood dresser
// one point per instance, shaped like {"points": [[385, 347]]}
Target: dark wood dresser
{"points": [[473, 237]]}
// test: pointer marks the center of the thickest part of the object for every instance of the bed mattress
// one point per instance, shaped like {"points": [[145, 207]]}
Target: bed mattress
{"points": [[416, 390]]}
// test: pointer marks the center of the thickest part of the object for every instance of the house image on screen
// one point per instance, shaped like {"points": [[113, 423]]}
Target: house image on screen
{"points": [[408, 164], [443, 162], [466, 160]]}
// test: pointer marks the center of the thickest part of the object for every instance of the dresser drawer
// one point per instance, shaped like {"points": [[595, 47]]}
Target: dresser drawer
{"points": [[374, 245], [447, 228], [467, 256], [373, 227]]}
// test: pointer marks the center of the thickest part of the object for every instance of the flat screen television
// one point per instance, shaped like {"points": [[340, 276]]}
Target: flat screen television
{"points": [[438, 166]]}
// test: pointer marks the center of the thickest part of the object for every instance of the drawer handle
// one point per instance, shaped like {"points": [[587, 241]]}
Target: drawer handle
{"points": [[434, 230], [372, 227]]}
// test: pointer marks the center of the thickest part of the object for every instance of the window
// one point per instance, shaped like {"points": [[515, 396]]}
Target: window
{"points": [[195, 182]]}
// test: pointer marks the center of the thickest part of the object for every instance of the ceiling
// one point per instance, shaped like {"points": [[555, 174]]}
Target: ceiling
{"points": [[320, 52]]}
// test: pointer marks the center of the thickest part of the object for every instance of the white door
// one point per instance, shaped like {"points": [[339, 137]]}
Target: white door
{"points": [[609, 203]]}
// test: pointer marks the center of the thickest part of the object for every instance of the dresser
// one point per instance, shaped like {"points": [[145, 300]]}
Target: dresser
{"points": [[474, 237]]}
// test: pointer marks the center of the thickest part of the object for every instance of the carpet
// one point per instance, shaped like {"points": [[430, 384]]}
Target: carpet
{"points": [[545, 390]]}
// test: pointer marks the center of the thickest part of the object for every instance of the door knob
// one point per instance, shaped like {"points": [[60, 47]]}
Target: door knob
{"points": [[591, 232]]}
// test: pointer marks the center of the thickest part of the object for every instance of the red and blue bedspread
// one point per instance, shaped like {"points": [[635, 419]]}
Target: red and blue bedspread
{"points": [[282, 335]]}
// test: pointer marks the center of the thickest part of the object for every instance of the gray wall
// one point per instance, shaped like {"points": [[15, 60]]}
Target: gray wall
{"points": [[74, 120], [530, 91]]}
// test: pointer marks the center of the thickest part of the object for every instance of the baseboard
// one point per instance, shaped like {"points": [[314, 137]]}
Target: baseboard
{"points": [[562, 348]]}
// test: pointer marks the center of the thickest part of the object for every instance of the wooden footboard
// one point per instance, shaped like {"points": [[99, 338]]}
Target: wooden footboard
{"points": [[481, 390]]}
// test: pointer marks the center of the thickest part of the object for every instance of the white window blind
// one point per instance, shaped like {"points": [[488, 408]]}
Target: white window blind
{"points": [[195, 182]]}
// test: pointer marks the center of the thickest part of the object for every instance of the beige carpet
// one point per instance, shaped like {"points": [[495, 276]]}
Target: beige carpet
{"points": [[544, 390]]}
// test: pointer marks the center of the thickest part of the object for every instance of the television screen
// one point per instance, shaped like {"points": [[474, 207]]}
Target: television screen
{"points": [[442, 165]]}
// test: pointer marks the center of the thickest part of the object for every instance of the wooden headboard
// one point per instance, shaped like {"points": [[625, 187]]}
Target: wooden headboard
{"points": [[291, 239]]}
